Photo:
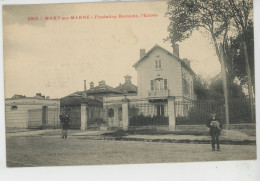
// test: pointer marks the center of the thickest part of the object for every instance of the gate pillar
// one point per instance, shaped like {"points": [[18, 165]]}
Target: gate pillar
{"points": [[83, 116], [44, 116], [116, 118], [171, 113], [125, 116]]}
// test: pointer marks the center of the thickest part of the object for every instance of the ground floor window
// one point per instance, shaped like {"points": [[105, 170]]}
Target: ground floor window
{"points": [[14, 107], [111, 113], [160, 110]]}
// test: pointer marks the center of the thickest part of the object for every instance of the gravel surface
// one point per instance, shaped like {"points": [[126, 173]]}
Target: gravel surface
{"points": [[27, 151]]}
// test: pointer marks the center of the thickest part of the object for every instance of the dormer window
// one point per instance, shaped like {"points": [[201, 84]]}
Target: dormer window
{"points": [[158, 63]]}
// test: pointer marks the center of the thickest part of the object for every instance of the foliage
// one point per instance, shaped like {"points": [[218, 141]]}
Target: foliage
{"points": [[222, 19], [188, 15], [235, 57], [216, 89], [201, 87], [141, 120]]}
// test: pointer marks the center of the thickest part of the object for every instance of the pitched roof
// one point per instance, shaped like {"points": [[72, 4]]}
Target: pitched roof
{"points": [[103, 90], [173, 55], [76, 101], [129, 87], [77, 96], [16, 96]]}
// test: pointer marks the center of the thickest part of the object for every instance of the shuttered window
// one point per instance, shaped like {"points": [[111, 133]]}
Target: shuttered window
{"points": [[165, 84], [152, 85], [158, 64]]}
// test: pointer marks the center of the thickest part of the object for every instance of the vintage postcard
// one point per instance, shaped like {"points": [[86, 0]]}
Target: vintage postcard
{"points": [[129, 82]]}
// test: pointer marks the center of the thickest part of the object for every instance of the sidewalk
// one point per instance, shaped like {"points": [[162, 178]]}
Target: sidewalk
{"points": [[233, 137], [52, 132], [28, 132]]}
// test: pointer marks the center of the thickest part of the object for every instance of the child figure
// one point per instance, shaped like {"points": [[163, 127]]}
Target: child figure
{"points": [[215, 126]]}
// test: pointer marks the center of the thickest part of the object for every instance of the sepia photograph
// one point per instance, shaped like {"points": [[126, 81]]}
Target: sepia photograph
{"points": [[141, 82]]}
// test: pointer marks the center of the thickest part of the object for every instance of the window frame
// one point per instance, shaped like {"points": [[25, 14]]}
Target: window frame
{"points": [[111, 112], [160, 109], [14, 107], [165, 84], [158, 63], [152, 85]]}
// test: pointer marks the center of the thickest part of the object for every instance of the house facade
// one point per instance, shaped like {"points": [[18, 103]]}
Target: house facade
{"points": [[162, 79], [162, 74], [26, 112]]}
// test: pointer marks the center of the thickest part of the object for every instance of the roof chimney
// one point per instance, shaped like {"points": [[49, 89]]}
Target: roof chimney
{"points": [[102, 83], [38, 94], [91, 85], [84, 95], [142, 53], [186, 61], [128, 79], [85, 85], [176, 49]]}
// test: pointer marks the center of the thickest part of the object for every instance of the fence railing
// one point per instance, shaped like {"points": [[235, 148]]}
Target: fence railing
{"points": [[198, 112], [148, 114], [74, 112]]}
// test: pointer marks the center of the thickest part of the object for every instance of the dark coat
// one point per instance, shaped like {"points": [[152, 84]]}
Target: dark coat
{"points": [[214, 130], [64, 119]]}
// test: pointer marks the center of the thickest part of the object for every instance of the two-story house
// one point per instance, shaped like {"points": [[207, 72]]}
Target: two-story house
{"points": [[162, 74], [161, 77]]}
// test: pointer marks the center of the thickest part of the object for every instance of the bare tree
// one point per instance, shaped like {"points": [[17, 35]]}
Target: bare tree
{"points": [[241, 12], [212, 16]]}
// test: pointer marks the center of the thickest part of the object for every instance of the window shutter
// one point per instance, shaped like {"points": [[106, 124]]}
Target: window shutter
{"points": [[152, 85], [159, 64], [165, 84]]}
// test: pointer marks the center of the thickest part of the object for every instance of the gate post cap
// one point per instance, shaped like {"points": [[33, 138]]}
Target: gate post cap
{"points": [[83, 101], [125, 100]]}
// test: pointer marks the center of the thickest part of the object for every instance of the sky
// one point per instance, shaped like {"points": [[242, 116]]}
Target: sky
{"points": [[54, 57]]}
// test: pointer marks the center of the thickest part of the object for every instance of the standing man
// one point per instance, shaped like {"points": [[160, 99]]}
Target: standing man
{"points": [[215, 126], [64, 120]]}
